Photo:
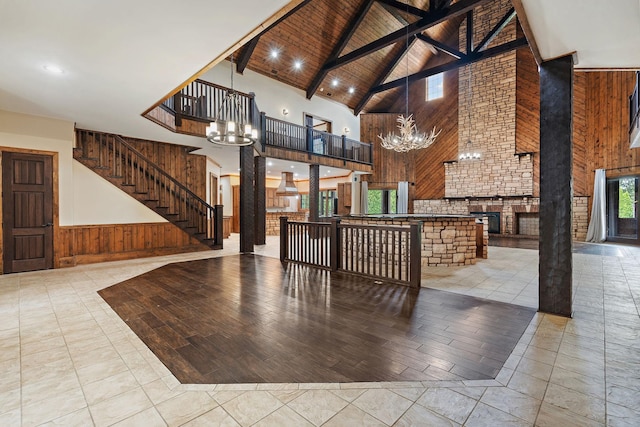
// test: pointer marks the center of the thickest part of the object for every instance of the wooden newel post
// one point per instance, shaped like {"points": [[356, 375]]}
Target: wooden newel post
{"points": [[334, 244], [218, 220], [284, 238], [415, 253]]}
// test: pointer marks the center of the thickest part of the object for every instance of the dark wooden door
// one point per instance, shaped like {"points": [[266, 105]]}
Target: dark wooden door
{"points": [[27, 212], [236, 209]]}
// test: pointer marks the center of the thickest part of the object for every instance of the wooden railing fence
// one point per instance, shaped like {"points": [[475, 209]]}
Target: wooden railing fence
{"points": [[390, 253], [203, 101], [121, 163]]}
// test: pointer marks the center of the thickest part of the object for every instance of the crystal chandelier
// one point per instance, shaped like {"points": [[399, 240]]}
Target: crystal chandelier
{"points": [[234, 133], [409, 137]]}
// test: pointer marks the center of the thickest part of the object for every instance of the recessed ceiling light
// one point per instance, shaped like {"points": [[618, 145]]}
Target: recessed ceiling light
{"points": [[53, 69], [297, 64], [269, 163], [295, 174], [334, 82], [274, 53], [328, 171], [352, 89], [292, 166]]}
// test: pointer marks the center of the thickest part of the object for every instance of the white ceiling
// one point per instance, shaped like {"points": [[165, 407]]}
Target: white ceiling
{"points": [[605, 34], [120, 56]]}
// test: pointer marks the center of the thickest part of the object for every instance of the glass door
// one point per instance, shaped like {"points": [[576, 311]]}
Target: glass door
{"points": [[622, 209]]}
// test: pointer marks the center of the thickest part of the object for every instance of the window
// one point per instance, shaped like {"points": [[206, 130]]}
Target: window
{"points": [[382, 201], [435, 86]]}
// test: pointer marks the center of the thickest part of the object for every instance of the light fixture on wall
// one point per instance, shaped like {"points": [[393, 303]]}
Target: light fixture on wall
{"points": [[285, 112], [469, 153], [409, 138], [235, 132]]}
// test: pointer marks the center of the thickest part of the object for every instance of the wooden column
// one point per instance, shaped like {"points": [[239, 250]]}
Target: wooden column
{"points": [[247, 203], [556, 191], [260, 226], [314, 192]]}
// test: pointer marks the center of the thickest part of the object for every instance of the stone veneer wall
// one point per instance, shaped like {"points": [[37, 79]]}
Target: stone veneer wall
{"points": [[273, 220], [446, 241], [491, 123], [508, 209]]}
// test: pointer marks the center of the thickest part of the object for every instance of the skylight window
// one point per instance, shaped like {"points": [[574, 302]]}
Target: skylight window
{"points": [[435, 87]]}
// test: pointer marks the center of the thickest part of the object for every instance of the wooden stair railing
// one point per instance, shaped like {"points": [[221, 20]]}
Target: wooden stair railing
{"points": [[120, 163]]}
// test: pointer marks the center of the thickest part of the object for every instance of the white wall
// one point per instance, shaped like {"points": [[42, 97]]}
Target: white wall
{"points": [[273, 96], [84, 197], [97, 201]]}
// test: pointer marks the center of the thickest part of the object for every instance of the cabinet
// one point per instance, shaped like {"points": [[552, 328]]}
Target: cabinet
{"points": [[344, 198], [275, 201]]}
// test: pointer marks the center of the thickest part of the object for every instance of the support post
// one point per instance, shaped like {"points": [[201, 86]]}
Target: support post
{"points": [[556, 190], [247, 204], [284, 238], [415, 254], [260, 225], [314, 193], [334, 242], [218, 220]]}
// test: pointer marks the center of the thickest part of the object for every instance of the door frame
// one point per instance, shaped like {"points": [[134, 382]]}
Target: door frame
{"points": [[611, 207], [56, 202]]}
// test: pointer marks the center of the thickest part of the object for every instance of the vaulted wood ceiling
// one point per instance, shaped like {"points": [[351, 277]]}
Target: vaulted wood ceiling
{"points": [[361, 44]]}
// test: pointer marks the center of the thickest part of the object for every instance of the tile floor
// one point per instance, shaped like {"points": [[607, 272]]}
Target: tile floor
{"points": [[67, 359]]}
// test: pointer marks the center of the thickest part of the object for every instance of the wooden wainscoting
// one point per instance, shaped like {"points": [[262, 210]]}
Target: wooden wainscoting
{"points": [[85, 244]]}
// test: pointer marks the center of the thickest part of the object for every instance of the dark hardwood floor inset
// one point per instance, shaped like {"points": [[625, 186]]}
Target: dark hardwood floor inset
{"points": [[251, 319]]}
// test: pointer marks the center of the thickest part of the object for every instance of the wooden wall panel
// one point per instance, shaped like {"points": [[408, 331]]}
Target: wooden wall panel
{"points": [[389, 167], [607, 125], [83, 244], [176, 160], [424, 167], [580, 169], [528, 109]]}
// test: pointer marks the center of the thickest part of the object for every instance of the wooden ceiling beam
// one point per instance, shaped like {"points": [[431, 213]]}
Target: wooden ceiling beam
{"points": [[243, 59], [496, 30], [342, 43], [251, 45], [469, 59], [469, 41], [439, 4], [441, 46], [405, 7], [430, 20], [384, 75]]}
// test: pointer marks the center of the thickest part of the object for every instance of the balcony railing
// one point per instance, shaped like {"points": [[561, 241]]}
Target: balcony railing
{"points": [[203, 101]]}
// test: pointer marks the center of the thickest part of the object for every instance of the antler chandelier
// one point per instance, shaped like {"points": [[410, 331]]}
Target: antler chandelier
{"points": [[409, 138], [236, 132]]}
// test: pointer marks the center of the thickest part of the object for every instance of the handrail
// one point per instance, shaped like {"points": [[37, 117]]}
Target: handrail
{"points": [[283, 134], [205, 101], [146, 177], [390, 253], [201, 100]]}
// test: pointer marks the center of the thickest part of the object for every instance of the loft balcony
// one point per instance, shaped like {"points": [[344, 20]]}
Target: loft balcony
{"points": [[194, 107]]}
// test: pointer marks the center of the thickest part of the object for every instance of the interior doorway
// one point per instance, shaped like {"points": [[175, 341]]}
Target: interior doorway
{"points": [[622, 209], [317, 123], [27, 212], [213, 189]]}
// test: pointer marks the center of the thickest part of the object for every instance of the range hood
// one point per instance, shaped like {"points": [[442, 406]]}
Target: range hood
{"points": [[287, 186]]}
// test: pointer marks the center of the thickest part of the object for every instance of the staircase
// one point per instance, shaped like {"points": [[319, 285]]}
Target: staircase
{"points": [[120, 163]]}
